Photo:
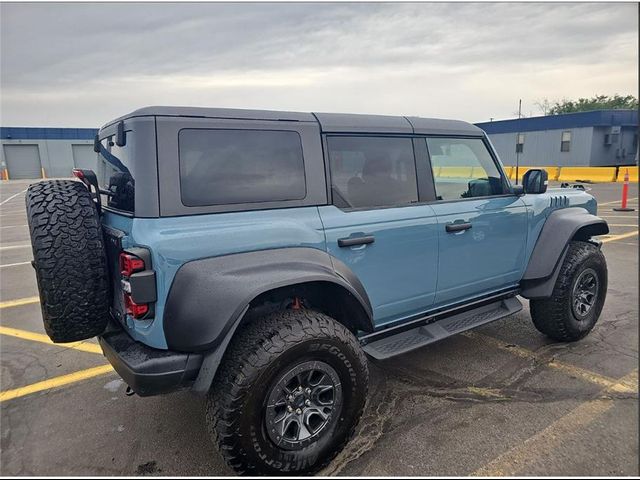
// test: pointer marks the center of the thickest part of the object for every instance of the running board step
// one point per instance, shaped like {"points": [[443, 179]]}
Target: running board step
{"points": [[408, 340]]}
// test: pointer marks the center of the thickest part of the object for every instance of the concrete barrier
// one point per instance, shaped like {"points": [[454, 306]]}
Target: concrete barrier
{"points": [[456, 172], [551, 171], [588, 174], [633, 174], [508, 170], [561, 174]]}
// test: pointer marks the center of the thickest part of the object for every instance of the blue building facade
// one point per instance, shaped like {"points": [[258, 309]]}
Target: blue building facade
{"points": [[27, 153], [596, 138]]}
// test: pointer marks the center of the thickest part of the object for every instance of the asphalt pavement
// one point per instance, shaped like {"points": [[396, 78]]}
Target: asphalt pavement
{"points": [[500, 400]]}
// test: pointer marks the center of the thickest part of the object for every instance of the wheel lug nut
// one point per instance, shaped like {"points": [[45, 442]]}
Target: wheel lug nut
{"points": [[307, 403], [289, 409], [290, 398], [298, 411], [308, 391]]}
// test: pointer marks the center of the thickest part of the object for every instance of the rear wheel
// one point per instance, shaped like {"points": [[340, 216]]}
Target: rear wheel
{"points": [[69, 258], [578, 295], [289, 394]]}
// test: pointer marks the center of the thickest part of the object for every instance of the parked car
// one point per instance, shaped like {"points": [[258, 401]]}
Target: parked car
{"points": [[258, 257]]}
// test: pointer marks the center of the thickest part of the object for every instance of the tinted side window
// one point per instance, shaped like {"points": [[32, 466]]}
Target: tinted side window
{"points": [[219, 167], [463, 168], [372, 171]]}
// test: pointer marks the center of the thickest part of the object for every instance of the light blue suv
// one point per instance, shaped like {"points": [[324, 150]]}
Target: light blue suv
{"points": [[257, 257]]}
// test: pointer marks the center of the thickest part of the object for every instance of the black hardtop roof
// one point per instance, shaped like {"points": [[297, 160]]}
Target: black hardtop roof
{"points": [[329, 122]]}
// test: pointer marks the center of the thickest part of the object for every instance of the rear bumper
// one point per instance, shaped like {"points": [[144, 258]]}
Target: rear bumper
{"points": [[146, 370]]}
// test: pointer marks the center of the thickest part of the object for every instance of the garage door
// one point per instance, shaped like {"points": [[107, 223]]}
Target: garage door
{"points": [[84, 157], [23, 161]]}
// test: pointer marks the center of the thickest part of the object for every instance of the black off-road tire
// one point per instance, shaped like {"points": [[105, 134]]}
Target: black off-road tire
{"points": [[257, 356], [555, 316], [69, 258]]}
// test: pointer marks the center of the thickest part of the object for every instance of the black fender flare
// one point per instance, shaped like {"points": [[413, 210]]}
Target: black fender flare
{"points": [[562, 226], [209, 296]]}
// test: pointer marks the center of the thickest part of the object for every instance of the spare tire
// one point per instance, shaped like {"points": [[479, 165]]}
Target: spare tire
{"points": [[70, 259]]}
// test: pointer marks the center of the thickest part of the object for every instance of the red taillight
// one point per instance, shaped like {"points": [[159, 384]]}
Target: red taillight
{"points": [[133, 309], [130, 264]]}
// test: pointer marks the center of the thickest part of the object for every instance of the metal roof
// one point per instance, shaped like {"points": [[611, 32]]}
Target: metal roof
{"points": [[329, 122], [595, 118], [351, 122], [228, 113], [443, 127]]}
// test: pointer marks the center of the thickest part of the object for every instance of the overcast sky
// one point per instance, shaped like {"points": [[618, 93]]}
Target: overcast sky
{"points": [[80, 65]]}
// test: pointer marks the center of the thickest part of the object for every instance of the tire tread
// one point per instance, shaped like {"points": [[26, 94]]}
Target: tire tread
{"points": [[253, 349], [69, 258], [550, 315]]}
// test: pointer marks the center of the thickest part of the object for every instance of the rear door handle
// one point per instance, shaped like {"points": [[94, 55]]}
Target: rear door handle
{"points": [[352, 241], [457, 227]]}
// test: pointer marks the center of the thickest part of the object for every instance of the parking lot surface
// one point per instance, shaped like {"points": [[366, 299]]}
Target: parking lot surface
{"points": [[500, 400]]}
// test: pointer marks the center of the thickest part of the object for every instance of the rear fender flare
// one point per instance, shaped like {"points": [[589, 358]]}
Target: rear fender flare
{"points": [[208, 296]]}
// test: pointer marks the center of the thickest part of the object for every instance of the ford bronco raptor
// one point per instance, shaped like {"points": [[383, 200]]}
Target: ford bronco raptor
{"points": [[258, 257]]}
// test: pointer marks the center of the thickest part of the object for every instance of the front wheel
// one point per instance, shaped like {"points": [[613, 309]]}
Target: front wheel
{"points": [[578, 295], [289, 394]]}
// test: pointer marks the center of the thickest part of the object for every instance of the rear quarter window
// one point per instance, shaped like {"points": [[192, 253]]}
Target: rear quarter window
{"points": [[222, 166]]}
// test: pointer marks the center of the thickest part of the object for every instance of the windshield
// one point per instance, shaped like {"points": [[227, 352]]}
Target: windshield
{"points": [[114, 174]]}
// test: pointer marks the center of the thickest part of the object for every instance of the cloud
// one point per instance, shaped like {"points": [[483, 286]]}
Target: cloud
{"points": [[80, 64]]}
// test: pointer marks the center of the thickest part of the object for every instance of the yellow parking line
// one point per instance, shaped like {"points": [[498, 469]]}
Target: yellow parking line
{"points": [[487, 392], [38, 337], [19, 301], [592, 377], [613, 238], [55, 382], [547, 440]]}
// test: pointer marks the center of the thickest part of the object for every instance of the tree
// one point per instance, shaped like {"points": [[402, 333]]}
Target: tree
{"points": [[544, 106], [598, 102]]}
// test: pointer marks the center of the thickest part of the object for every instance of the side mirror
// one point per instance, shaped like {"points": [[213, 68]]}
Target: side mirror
{"points": [[535, 181], [121, 137]]}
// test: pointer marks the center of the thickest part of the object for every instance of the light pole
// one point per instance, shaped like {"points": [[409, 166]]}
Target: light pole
{"points": [[518, 139]]}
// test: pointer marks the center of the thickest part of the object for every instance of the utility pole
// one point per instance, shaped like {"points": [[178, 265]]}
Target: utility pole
{"points": [[517, 139]]}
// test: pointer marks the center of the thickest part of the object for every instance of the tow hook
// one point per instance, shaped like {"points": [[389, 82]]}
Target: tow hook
{"points": [[129, 391]]}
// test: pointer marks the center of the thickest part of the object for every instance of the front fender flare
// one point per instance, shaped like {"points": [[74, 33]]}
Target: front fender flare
{"points": [[560, 228]]}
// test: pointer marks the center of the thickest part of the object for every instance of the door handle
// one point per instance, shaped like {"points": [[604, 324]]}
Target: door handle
{"points": [[352, 241], [457, 227]]}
